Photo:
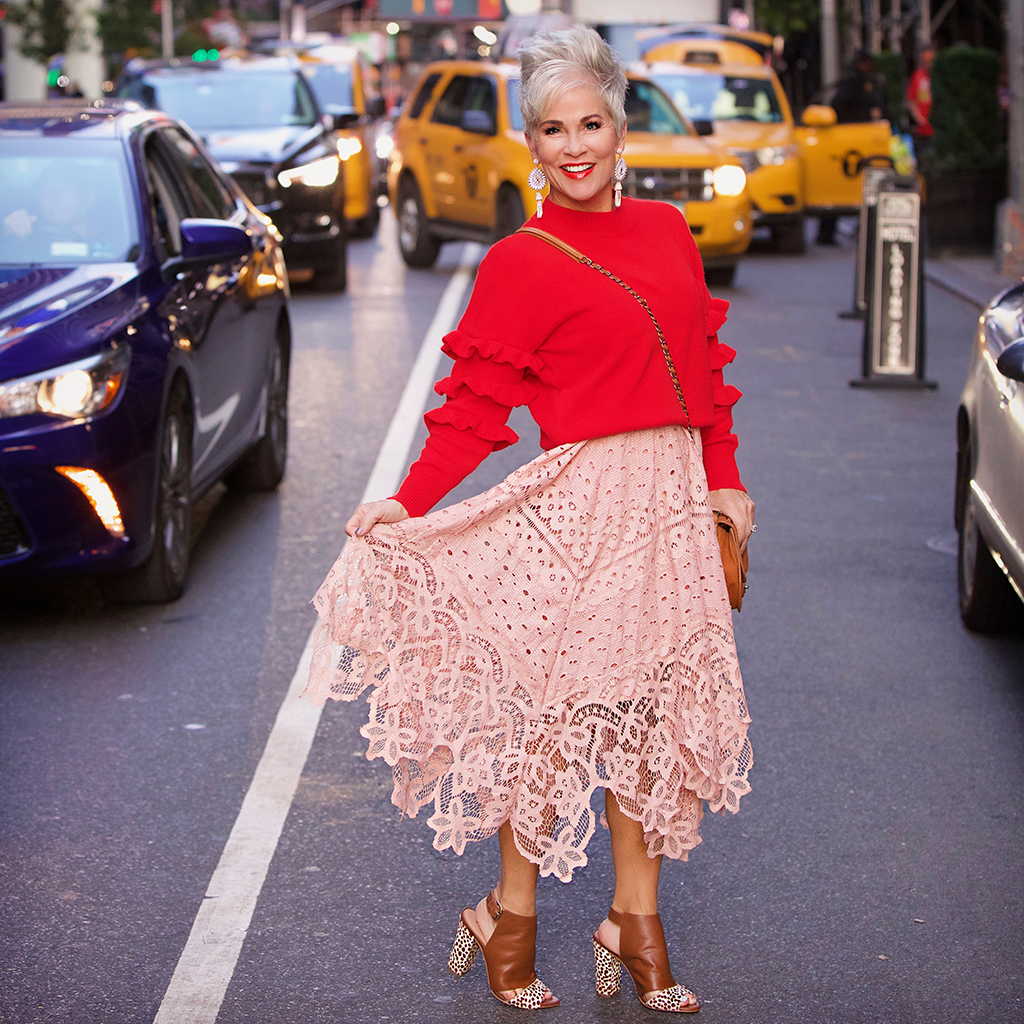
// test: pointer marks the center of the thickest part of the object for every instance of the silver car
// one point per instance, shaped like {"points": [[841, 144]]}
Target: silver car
{"points": [[990, 470]]}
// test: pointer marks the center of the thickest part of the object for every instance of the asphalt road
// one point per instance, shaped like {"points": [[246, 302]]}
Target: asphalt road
{"points": [[873, 874]]}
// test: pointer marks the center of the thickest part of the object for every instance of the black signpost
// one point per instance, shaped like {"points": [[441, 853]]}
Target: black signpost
{"points": [[893, 346], [873, 178]]}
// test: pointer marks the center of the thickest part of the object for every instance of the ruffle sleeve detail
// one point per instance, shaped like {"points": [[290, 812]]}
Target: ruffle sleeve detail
{"points": [[458, 344], [725, 394], [716, 315], [500, 434], [505, 394], [721, 355]]}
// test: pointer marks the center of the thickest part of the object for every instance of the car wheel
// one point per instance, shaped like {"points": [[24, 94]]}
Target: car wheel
{"points": [[419, 247], [161, 577], [789, 237], [510, 215], [366, 227], [720, 277], [987, 601], [335, 277], [263, 468]]}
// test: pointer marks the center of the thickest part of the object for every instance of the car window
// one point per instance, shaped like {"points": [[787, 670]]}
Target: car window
{"points": [[167, 205], [204, 193], [714, 97], [65, 202], [423, 96], [480, 96], [449, 107], [222, 100], [648, 109], [515, 115], [332, 86]]}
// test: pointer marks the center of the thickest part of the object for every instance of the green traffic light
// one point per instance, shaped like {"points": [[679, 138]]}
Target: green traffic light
{"points": [[199, 56]]}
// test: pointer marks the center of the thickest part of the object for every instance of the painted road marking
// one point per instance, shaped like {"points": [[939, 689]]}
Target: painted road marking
{"points": [[208, 960]]}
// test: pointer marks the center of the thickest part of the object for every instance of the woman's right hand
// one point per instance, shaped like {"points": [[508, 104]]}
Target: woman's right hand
{"points": [[372, 512]]}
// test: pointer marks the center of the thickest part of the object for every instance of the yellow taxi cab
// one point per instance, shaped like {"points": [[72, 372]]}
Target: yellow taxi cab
{"points": [[339, 78], [460, 165], [792, 169]]}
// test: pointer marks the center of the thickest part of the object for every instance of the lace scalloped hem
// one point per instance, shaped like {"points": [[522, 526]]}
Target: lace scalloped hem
{"points": [[566, 631]]}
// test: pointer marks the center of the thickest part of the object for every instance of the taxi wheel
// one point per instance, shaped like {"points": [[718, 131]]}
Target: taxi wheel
{"points": [[419, 247], [366, 226], [789, 237], [720, 277], [510, 215], [161, 577]]}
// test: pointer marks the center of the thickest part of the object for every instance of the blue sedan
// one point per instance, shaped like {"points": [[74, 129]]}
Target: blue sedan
{"points": [[144, 344]]}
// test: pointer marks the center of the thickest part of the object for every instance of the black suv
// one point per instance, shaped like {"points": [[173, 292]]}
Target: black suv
{"points": [[260, 120]]}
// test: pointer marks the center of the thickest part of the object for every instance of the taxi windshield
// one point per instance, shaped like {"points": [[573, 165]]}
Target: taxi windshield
{"points": [[220, 101], [716, 97], [648, 109], [332, 85], [65, 202]]}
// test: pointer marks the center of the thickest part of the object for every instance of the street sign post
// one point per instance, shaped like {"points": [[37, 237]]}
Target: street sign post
{"points": [[873, 177], [893, 344]]}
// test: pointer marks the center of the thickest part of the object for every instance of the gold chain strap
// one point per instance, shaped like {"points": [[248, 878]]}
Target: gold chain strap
{"points": [[580, 258]]}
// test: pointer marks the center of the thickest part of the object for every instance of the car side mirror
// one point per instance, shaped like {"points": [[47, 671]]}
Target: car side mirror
{"points": [[339, 118], [703, 127], [818, 116], [478, 121], [206, 241], [1011, 362]]}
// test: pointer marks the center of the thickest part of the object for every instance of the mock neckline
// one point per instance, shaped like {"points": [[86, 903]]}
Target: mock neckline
{"points": [[582, 223]]}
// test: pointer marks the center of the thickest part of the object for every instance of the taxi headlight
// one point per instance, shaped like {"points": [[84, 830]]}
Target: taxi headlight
{"points": [[349, 147], [316, 174], [729, 180], [72, 392], [775, 156]]}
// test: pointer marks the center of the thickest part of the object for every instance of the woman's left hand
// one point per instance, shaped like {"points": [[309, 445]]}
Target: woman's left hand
{"points": [[738, 507]]}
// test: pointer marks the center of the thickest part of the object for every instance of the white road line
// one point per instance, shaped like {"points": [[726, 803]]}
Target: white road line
{"points": [[208, 960]]}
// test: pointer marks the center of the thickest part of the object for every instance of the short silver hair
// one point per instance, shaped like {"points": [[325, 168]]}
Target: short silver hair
{"points": [[555, 62]]}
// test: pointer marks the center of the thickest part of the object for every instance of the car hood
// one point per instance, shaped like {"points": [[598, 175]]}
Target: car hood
{"points": [[645, 149], [51, 316], [259, 145], [752, 134]]}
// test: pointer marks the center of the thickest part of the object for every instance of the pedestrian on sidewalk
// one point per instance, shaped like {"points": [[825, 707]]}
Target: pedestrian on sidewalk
{"points": [[919, 101], [859, 97], [570, 629]]}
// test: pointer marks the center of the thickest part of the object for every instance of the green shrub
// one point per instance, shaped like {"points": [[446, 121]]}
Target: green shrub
{"points": [[965, 113]]}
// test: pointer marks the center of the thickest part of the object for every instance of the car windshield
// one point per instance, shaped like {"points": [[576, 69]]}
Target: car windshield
{"points": [[515, 115], [65, 201], [219, 100], [715, 97], [648, 109], [332, 86]]}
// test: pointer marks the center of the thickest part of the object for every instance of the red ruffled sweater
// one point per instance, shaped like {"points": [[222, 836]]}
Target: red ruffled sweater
{"points": [[544, 331]]}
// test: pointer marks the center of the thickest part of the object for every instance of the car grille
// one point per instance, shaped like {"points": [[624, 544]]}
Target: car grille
{"points": [[673, 184], [254, 185], [12, 536]]}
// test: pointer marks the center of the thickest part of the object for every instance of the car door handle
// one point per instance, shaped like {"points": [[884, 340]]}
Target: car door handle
{"points": [[457, 149]]}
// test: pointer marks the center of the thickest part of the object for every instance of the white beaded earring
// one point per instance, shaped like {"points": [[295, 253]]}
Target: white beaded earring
{"points": [[620, 173], [537, 181]]}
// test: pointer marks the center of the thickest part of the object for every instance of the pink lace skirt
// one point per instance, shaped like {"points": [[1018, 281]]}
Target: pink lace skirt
{"points": [[567, 630]]}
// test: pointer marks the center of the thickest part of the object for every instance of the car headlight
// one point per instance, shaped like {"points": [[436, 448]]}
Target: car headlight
{"points": [[729, 180], [348, 147], [385, 144], [72, 392], [775, 156], [316, 174]]}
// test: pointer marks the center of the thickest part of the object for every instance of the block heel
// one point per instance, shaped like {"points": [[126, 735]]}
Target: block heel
{"points": [[607, 971]]}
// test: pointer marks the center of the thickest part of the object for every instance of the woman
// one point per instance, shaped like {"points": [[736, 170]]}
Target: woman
{"points": [[570, 629]]}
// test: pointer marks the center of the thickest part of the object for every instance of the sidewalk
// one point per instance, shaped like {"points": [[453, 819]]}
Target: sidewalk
{"points": [[972, 278]]}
